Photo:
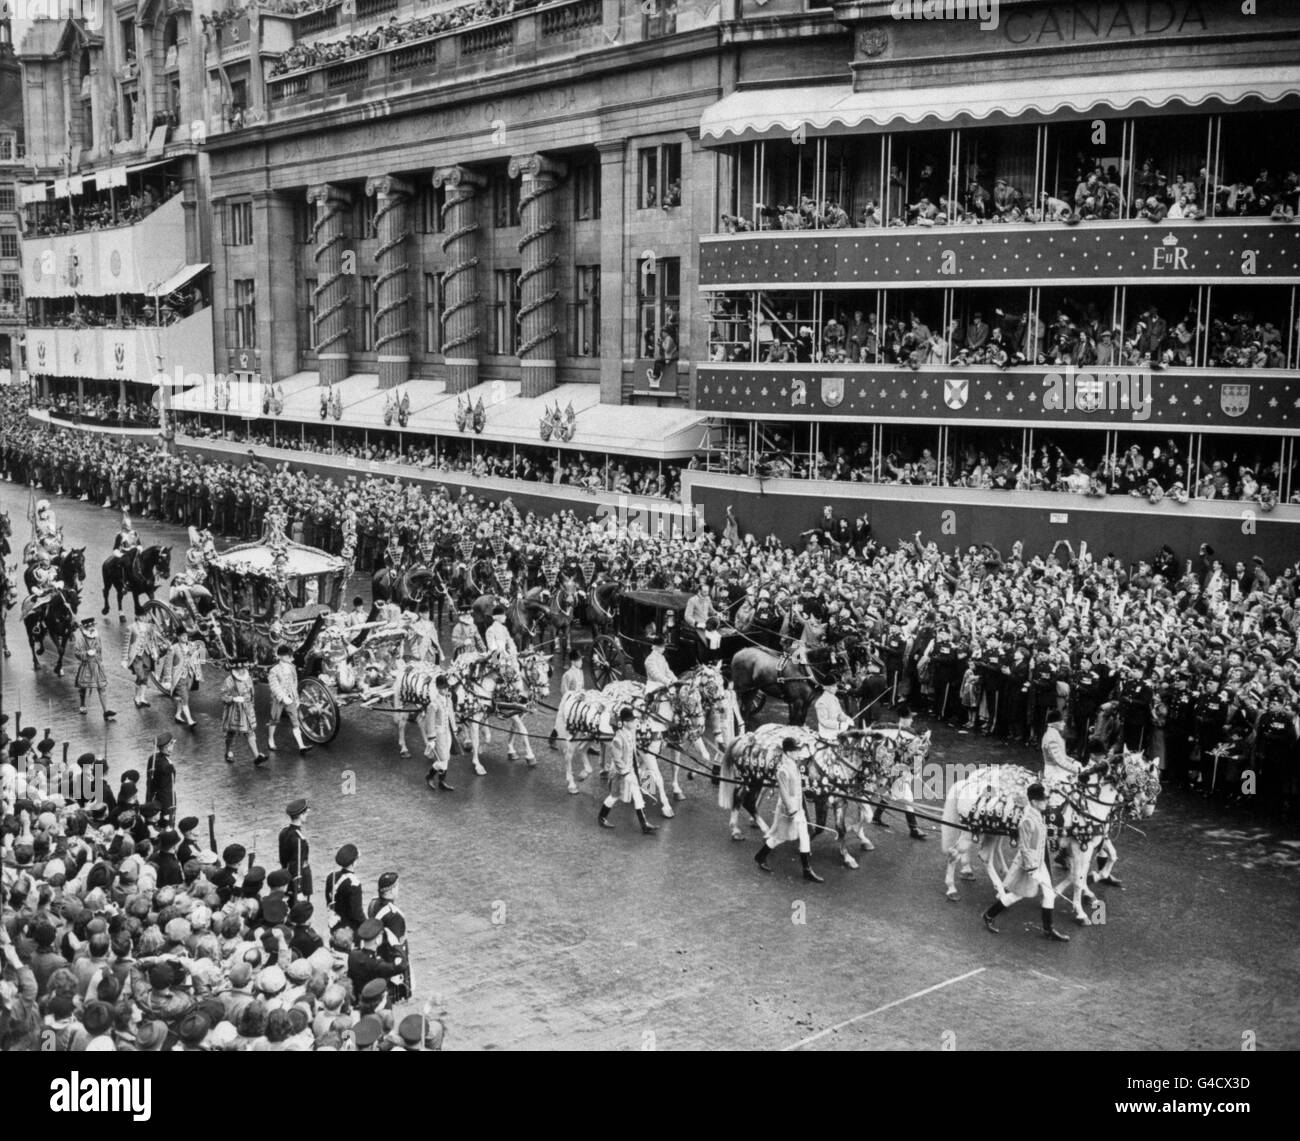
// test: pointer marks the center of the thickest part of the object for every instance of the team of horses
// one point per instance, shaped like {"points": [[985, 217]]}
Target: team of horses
{"points": [[701, 718]]}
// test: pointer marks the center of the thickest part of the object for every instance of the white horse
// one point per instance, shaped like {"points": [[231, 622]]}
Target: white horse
{"points": [[835, 774], [590, 717], [983, 811], [493, 685], [722, 721]]}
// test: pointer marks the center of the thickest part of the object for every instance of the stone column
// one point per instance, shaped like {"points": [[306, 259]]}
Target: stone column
{"points": [[392, 286], [461, 326], [277, 285], [332, 331], [612, 249], [539, 330]]}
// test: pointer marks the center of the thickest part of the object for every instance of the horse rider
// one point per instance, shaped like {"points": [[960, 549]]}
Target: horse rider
{"points": [[831, 718], [498, 639], [1057, 766], [1029, 873], [45, 528], [465, 637], [790, 822], [421, 642], [127, 539]]}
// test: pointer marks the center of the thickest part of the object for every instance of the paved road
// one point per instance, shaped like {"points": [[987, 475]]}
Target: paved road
{"points": [[541, 930]]}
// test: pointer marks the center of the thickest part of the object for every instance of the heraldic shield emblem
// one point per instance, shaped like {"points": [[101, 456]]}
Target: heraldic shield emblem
{"points": [[956, 391], [1234, 399], [832, 391]]}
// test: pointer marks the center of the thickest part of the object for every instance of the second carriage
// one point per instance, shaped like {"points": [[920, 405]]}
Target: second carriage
{"points": [[625, 628]]}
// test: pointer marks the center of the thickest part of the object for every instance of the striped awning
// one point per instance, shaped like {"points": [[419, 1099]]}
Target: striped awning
{"points": [[837, 109]]}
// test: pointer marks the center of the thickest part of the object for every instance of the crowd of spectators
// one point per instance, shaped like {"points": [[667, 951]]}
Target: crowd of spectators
{"points": [[305, 56], [98, 211], [134, 312], [484, 458], [98, 409], [1094, 193], [1074, 335], [1157, 473], [122, 929]]}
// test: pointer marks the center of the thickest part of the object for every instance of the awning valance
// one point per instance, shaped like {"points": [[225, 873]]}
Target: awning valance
{"points": [[182, 276], [769, 112]]}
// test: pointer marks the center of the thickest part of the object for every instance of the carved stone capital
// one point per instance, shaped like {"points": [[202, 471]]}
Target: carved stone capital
{"points": [[537, 166], [459, 178], [324, 192], [389, 186]]}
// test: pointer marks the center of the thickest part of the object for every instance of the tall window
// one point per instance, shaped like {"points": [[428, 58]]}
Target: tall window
{"points": [[658, 18], [128, 41], [9, 287], [304, 214], [433, 306], [505, 342], [505, 201], [241, 224], [367, 305], [309, 331], [658, 306], [8, 200], [367, 207], [586, 192], [660, 176], [8, 244], [586, 312], [432, 199], [6, 148], [245, 314]]}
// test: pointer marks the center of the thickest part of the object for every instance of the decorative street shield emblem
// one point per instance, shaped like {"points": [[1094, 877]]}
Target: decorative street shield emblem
{"points": [[466, 545], [832, 391], [1234, 399], [956, 391], [588, 568]]}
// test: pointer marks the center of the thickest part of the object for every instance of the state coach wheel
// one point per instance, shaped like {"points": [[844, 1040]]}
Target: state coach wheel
{"points": [[318, 712], [162, 618], [606, 652]]}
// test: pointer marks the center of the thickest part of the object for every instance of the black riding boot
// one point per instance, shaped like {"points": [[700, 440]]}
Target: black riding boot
{"points": [[603, 818], [760, 858], [995, 909], [805, 858], [717, 774], [646, 826], [1049, 931], [914, 828]]}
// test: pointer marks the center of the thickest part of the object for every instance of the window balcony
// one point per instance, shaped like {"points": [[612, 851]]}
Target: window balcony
{"points": [[123, 354], [522, 38]]}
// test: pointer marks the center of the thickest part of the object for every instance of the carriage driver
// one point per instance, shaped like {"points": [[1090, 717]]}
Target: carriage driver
{"points": [[699, 609], [45, 528]]}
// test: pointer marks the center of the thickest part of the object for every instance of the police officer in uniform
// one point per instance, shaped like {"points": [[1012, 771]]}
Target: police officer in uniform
{"points": [[895, 655], [1088, 685], [1135, 707], [1276, 734], [343, 891], [1180, 727], [1211, 715], [295, 851], [949, 665], [392, 942]]}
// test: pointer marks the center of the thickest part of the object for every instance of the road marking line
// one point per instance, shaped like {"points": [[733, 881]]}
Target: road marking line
{"points": [[881, 1009]]}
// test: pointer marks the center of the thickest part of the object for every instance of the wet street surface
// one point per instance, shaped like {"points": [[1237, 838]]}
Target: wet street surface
{"points": [[538, 929]]}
